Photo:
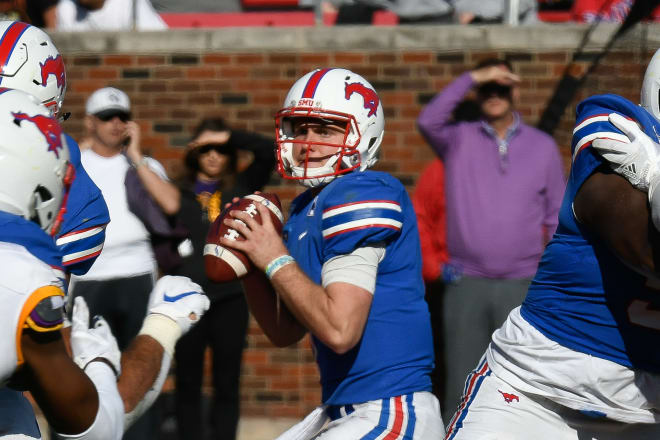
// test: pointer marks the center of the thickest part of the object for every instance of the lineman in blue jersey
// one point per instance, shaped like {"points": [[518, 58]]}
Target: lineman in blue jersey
{"points": [[577, 360], [31, 63], [82, 395], [349, 269]]}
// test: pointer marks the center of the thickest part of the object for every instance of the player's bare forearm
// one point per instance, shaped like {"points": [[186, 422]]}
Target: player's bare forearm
{"points": [[619, 214], [336, 315], [140, 365], [66, 338], [57, 383], [277, 322]]}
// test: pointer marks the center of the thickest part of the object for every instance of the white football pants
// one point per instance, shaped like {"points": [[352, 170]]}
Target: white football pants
{"points": [[409, 417], [491, 409]]}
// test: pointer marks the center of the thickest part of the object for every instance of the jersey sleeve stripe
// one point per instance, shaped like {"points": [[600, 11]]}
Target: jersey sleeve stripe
{"points": [[367, 204], [76, 257], [585, 141], [79, 235], [338, 218], [35, 298], [362, 224], [591, 120]]}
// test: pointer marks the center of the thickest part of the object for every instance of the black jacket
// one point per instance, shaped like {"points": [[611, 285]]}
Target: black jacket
{"points": [[196, 219]]}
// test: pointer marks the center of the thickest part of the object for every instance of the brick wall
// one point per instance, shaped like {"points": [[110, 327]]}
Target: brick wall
{"points": [[171, 92]]}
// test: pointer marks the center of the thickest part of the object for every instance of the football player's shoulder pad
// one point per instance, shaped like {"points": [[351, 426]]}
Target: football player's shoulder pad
{"points": [[359, 209]]}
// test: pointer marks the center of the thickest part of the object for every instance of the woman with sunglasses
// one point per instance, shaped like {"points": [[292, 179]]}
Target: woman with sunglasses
{"points": [[214, 175]]}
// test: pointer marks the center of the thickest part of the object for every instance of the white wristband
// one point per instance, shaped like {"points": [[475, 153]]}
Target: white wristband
{"points": [[163, 329]]}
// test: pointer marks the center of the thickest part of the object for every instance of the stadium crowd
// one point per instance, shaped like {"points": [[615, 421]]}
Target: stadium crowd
{"points": [[79, 15]]}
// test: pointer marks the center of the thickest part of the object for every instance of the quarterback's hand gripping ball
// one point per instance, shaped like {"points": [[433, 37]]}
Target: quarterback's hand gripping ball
{"points": [[88, 343], [226, 264]]}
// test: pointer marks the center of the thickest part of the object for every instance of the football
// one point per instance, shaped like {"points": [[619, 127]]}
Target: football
{"points": [[227, 264]]}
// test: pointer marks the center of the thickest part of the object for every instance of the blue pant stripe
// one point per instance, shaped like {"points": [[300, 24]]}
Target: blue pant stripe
{"points": [[382, 422], [410, 429]]}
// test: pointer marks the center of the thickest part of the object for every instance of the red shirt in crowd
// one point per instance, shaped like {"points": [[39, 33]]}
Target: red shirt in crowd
{"points": [[429, 204]]}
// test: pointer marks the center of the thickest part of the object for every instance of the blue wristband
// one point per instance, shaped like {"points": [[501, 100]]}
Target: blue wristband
{"points": [[277, 264]]}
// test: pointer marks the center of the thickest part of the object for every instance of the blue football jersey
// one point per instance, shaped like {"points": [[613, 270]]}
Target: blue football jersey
{"points": [[395, 354], [583, 296], [17, 230], [82, 233]]}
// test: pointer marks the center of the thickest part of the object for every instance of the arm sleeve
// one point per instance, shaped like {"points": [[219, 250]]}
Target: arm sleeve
{"points": [[429, 203], [359, 268], [434, 121]]}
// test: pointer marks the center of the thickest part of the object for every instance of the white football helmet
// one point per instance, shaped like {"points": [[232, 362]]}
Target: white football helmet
{"points": [[35, 173], [650, 96], [30, 62], [336, 96]]}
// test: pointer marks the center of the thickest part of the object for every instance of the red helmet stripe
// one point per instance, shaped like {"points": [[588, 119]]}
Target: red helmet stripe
{"points": [[313, 82], [9, 40]]}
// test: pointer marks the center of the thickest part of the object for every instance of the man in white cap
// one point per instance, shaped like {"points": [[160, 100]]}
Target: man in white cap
{"points": [[118, 285]]}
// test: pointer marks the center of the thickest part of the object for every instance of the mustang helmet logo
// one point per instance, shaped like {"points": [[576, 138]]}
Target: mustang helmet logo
{"points": [[53, 66], [370, 97], [48, 127]]}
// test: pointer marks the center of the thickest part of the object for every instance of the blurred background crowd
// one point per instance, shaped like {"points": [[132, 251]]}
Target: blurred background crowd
{"points": [[78, 15]]}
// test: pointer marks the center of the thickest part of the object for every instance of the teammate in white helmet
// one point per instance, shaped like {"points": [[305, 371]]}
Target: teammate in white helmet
{"points": [[31, 63], [348, 270], [84, 397], [577, 359]]}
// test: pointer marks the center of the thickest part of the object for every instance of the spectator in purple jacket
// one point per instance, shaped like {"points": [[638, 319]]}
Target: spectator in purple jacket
{"points": [[504, 182]]}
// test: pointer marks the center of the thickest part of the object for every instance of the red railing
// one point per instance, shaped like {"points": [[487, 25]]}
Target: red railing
{"points": [[270, 18]]}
